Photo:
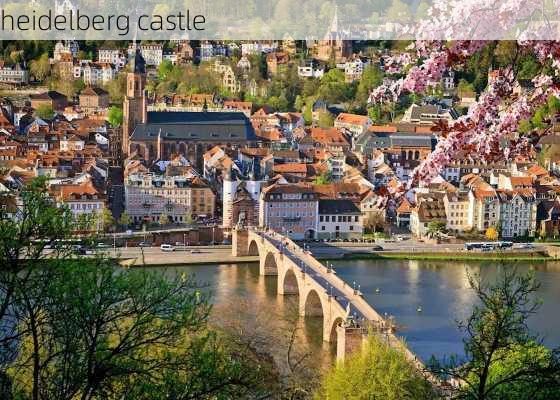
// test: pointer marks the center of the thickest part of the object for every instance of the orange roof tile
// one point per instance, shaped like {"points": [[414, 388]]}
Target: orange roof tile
{"points": [[537, 170], [404, 207], [294, 168], [87, 188], [521, 181], [354, 119]]}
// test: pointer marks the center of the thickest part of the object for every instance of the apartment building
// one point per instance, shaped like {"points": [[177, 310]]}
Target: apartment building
{"points": [[177, 198], [484, 209], [429, 208], [339, 219], [117, 57], [81, 199], [13, 75], [518, 213], [291, 209], [457, 211], [152, 53], [356, 124], [94, 73]]}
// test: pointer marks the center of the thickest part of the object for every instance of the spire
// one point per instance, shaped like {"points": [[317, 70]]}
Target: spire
{"points": [[138, 64], [332, 32], [334, 23]]}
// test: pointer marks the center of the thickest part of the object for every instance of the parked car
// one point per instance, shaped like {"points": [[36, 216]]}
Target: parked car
{"points": [[85, 251], [167, 247], [525, 246], [144, 244], [195, 251]]}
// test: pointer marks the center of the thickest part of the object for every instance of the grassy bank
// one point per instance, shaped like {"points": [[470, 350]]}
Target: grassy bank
{"points": [[510, 257]]}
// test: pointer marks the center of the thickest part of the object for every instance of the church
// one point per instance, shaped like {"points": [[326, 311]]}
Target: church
{"points": [[157, 135]]}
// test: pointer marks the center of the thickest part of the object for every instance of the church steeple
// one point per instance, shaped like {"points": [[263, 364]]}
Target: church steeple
{"points": [[134, 106], [138, 64]]}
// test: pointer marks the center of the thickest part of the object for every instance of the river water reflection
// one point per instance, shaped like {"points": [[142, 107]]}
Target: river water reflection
{"points": [[395, 287]]}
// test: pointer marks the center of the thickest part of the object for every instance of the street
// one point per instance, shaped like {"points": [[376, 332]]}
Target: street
{"points": [[222, 253]]}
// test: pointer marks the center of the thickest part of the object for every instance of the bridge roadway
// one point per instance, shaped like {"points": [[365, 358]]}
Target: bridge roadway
{"points": [[343, 308]]}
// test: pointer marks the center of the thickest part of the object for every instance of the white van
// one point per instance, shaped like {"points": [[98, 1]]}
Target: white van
{"points": [[166, 247]]}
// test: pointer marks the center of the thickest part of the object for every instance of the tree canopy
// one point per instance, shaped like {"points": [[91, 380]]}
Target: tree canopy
{"points": [[378, 372], [76, 327]]}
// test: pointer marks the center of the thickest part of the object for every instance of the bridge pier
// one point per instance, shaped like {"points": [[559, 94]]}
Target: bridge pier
{"points": [[348, 340], [240, 243]]}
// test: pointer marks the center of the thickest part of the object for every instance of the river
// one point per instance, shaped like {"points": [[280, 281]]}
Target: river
{"points": [[396, 287]]}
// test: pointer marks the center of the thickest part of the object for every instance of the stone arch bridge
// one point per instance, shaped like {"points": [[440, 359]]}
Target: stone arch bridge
{"points": [[347, 317]]}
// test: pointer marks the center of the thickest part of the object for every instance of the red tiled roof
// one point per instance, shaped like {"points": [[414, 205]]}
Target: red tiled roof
{"points": [[354, 119], [294, 168], [404, 207]]}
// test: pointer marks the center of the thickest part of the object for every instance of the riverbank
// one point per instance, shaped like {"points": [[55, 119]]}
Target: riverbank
{"points": [[154, 257], [446, 256]]}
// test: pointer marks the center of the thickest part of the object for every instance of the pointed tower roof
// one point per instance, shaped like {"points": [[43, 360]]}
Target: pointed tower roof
{"points": [[332, 32], [138, 64]]}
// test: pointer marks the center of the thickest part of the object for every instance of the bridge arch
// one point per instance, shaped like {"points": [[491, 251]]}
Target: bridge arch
{"points": [[253, 249], [311, 304], [288, 282], [269, 264]]}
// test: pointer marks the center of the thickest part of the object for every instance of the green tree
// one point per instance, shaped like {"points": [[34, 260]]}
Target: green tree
{"points": [[44, 111], [372, 77], [323, 179], [503, 359], [325, 120], [436, 228], [85, 222], [40, 68], [124, 220], [299, 103], [379, 371], [79, 85], [115, 116], [188, 219], [107, 219], [164, 69], [117, 88], [136, 334], [163, 219], [78, 327]]}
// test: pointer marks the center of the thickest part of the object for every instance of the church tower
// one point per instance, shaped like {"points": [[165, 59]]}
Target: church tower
{"points": [[134, 106]]}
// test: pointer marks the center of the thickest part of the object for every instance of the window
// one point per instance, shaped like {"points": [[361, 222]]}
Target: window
{"points": [[351, 227], [323, 227]]}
